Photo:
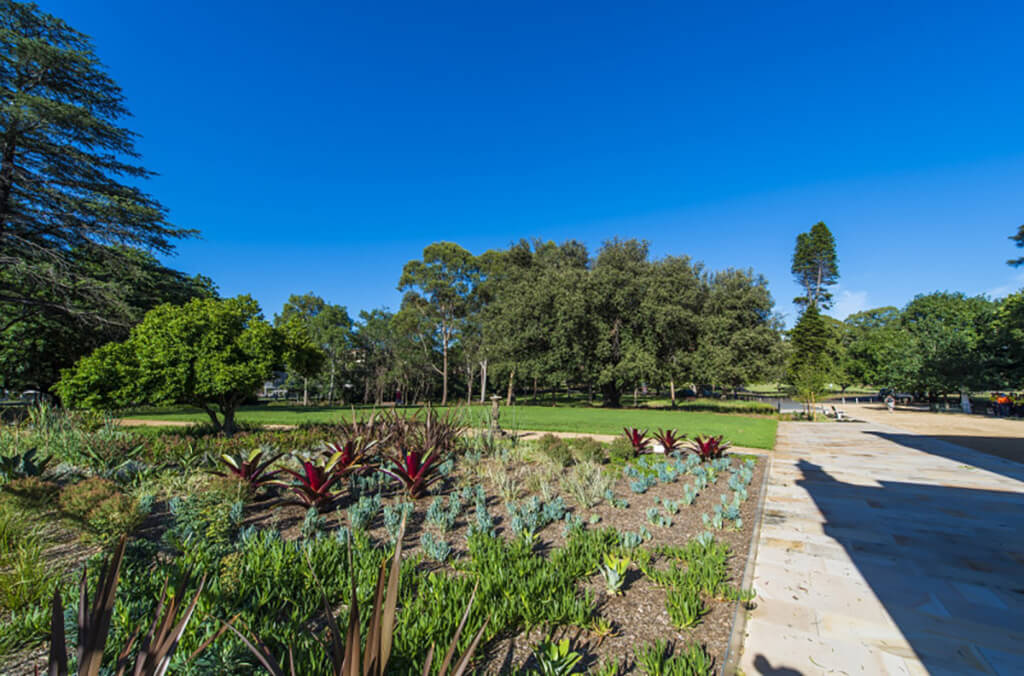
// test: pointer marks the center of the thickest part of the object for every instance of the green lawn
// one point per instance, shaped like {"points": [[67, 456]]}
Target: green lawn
{"points": [[750, 431]]}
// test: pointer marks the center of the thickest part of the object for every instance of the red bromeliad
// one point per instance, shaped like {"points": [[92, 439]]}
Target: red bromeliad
{"points": [[349, 456], [709, 448], [252, 468], [670, 440], [416, 470], [314, 486], [639, 439]]}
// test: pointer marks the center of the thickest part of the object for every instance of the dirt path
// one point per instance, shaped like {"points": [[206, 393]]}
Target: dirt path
{"points": [[1002, 437]]}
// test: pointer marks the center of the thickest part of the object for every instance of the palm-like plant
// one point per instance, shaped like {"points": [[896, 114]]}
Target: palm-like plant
{"points": [[709, 448], [638, 438], [670, 440], [252, 468]]}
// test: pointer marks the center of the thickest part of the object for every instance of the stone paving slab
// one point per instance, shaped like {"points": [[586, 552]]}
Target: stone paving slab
{"points": [[884, 552]]}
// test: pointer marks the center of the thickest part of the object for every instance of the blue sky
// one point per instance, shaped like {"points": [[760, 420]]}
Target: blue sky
{"points": [[318, 145]]}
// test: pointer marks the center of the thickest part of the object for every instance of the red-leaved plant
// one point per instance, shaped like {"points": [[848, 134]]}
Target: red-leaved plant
{"points": [[316, 485], [670, 440], [252, 468], [639, 439], [415, 470], [709, 448], [349, 456]]}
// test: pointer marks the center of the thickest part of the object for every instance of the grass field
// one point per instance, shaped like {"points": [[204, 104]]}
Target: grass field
{"points": [[750, 431]]}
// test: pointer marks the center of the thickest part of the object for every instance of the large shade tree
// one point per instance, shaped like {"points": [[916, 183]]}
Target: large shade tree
{"points": [[209, 353], [70, 206]]}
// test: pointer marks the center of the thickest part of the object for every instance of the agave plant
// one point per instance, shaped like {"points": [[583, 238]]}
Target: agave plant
{"points": [[639, 439], [613, 570], [670, 440], [253, 467], [348, 655], [316, 485], [156, 648], [416, 470], [20, 466], [709, 448]]}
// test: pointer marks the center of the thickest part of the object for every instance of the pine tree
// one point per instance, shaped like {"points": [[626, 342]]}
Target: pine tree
{"points": [[68, 203], [815, 266], [1019, 239]]}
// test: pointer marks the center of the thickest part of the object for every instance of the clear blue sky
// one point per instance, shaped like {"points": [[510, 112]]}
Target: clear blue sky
{"points": [[320, 145]]}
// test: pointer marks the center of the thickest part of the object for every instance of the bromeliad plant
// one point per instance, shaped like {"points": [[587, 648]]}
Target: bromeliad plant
{"points": [[253, 468], [351, 455], [416, 470], [316, 485], [709, 448], [20, 466], [638, 439], [670, 440]]}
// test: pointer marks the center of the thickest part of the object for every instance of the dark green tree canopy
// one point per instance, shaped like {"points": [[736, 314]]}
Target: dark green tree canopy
{"points": [[815, 266], [69, 203], [1019, 240]]}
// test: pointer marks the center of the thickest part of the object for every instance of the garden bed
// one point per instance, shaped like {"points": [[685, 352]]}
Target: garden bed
{"points": [[584, 487]]}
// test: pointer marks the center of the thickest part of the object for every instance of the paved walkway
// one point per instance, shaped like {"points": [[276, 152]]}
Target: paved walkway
{"points": [[887, 552]]}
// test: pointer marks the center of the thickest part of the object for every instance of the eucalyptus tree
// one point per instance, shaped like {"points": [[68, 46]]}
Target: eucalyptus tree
{"points": [[330, 329], [441, 288]]}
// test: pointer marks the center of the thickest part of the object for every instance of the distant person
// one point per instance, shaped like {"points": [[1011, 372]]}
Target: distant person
{"points": [[890, 402], [398, 397], [965, 403]]}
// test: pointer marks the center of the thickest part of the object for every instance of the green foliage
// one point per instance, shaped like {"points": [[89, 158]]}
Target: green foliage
{"points": [[434, 548], [588, 450], [555, 449], [555, 658], [362, 513], [208, 353], [685, 607], [815, 266], [1019, 240], [441, 517], [532, 515], [613, 571], [620, 451], [100, 505], [657, 659], [20, 465], [587, 483], [204, 528]]}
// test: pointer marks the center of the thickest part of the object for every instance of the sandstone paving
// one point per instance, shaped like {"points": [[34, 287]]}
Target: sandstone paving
{"points": [[887, 552]]}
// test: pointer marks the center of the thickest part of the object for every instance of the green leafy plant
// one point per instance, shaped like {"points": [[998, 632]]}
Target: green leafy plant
{"points": [[441, 517], [587, 484], [657, 659], [555, 449], [588, 450], [361, 514], [435, 549], [709, 448], [348, 653], [555, 658], [22, 465], [685, 607], [613, 571]]}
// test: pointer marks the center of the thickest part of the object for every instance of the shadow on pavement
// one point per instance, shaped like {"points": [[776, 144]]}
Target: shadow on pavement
{"points": [[945, 562], [962, 449]]}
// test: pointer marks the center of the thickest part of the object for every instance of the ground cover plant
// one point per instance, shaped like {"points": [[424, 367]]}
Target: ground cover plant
{"points": [[510, 543]]}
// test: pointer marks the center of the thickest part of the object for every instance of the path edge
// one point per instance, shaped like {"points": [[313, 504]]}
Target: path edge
{"points": [[734, 650]]}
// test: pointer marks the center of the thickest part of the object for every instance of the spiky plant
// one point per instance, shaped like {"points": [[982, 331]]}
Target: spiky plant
{"points": [[709, 448], [670, 440], [416, 470], [156, 647], [638, 439], [252, 467], [316, 485]]}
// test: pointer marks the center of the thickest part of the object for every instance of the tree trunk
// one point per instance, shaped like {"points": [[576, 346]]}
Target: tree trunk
{"points": [[590, 393], [634, 397], [213, 418], [483, 380], [469, 384], [305, 391], [330, 389], [672, 389], [535, 389], [511, 381], [610, 396], [229, 421], [444, 370]]}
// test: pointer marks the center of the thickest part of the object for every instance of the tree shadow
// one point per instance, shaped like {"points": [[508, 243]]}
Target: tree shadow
{"points": [[765, 667], [944, 561], [1005, 457]]}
